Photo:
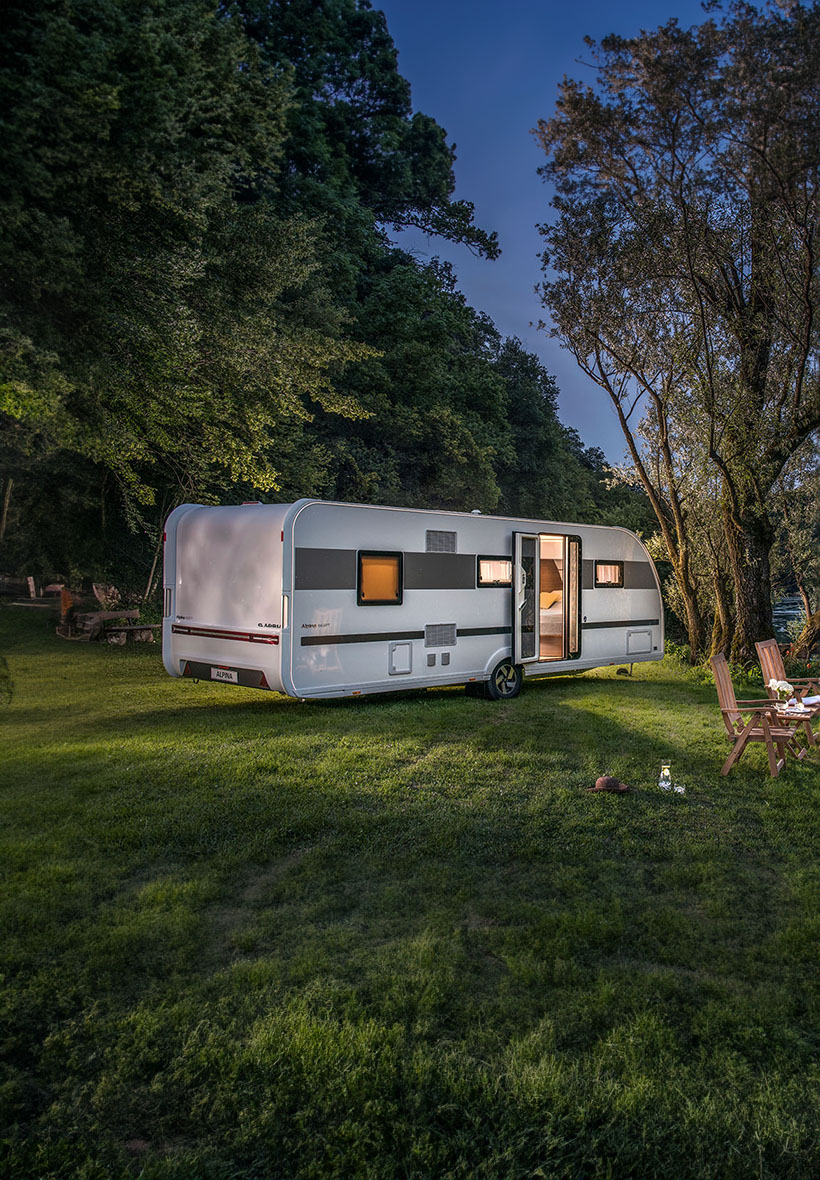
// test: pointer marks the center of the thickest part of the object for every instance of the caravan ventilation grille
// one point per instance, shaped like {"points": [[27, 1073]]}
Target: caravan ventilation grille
{"points": [[439, 541], [440, 635]]}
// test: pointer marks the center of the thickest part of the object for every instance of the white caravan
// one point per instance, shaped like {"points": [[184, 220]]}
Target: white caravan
{"points": [[318, 599]]}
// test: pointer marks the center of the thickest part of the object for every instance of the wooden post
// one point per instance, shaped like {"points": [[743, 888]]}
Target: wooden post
{"points": [[150, 583]]}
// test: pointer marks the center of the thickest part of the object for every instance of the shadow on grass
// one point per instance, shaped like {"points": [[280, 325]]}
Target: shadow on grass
{"points": [[397, 937]]}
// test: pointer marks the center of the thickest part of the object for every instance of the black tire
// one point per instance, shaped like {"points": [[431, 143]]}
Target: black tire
{"points": [[505, 681]]}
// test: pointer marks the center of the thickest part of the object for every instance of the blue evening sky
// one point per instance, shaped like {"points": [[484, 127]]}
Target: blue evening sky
{"points": [[487, 70]]}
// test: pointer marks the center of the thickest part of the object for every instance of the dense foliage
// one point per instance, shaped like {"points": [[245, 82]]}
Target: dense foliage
{"points": [[200, 300], [683, 272]]}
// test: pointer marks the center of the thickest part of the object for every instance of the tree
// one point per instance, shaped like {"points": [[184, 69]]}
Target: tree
{"points": [[154, 320], [200, 300], [683, 268], [351, 134], [544, 475], [437, 430]]}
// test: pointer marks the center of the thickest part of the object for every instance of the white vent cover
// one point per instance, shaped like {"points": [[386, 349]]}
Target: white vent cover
{"points": [[439, 541], [440, 635]]}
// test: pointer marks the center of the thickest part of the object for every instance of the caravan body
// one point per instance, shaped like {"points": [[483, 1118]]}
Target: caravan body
{"points": [[318, 599]]}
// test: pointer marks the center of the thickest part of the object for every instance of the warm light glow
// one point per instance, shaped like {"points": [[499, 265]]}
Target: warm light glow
{"points": [[608, 575], [494, 571], [379, 579], [552, 547]]}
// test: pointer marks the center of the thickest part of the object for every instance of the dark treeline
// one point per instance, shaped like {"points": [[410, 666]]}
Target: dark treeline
{"points": [[200, 299]]}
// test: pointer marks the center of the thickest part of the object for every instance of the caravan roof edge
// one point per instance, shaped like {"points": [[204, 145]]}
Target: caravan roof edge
{"points": [[299, 505]]}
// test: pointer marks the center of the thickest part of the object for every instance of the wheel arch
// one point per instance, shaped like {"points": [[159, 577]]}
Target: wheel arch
{"points": [[501, 653]]}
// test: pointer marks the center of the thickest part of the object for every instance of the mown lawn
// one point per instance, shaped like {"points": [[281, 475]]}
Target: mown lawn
{"points": [[248, 937]]}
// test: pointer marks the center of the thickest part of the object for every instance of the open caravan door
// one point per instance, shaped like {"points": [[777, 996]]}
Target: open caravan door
{"points": [[547, 598], [525, 598]]}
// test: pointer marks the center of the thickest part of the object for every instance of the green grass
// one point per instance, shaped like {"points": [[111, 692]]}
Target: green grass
{"points": [[248, 937]]}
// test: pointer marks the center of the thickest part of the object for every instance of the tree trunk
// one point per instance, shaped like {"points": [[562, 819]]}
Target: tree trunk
{"points": [[722, 627], [150, 583], [695, 624], [4, 511], [749, 541], [809, 638], [804, 594]]}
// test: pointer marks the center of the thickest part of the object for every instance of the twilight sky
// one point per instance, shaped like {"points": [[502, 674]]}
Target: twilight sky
{"points": [[487, 70]]}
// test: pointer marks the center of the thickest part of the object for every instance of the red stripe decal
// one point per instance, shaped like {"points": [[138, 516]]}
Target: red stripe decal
{"points": [[213, 633]]}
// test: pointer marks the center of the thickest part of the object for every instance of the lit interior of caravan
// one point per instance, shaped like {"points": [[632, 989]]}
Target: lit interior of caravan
{"points": [[551, 607]]}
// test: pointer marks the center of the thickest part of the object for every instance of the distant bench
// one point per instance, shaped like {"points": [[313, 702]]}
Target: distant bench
{"points": [[127, 629], [105, 625]]}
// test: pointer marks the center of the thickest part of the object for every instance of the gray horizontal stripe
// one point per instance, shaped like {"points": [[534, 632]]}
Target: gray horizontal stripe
{"points": [[439, 571], [373, 637], [335, 569], [325, 569], [380, 636], [462, 631], [638, 575], [628, 623]]}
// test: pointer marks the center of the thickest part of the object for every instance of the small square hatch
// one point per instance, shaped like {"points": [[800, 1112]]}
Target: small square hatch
{"points": [[400, 659], [638, 642]]}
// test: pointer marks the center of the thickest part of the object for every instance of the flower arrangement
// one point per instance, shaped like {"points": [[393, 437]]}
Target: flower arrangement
{"points": [[782, 687]]}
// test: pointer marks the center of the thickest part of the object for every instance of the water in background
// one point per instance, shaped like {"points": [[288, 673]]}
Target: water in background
{"points": [[785, 610]]}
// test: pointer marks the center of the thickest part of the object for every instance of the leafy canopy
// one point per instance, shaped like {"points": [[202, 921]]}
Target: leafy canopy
{"points": [[351, 132], [151, 320]]}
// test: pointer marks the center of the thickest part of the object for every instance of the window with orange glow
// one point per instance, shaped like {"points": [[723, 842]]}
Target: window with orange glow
{"points": [[609, 573], [494, 571], [379, 579]]}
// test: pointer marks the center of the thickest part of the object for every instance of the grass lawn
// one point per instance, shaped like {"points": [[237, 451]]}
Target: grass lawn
{"points": [[244, 937]]}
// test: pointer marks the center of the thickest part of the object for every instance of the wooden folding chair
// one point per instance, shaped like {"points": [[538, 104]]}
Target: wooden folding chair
{"points": [[771, 665], [754, 721]]}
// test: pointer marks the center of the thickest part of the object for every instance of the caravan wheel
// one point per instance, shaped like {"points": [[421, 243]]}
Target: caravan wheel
{"points": [[505, 682]]}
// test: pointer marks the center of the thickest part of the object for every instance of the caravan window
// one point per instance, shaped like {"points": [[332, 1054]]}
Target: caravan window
{"points": [[609, 573], [379, 582], [494, 571]]}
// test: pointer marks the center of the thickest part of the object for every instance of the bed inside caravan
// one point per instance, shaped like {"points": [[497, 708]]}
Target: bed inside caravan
{"points": [[551, 605]]}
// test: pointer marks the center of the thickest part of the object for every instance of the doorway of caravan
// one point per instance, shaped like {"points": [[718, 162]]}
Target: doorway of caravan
{"points": [[551, 598], [546, 598]]}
